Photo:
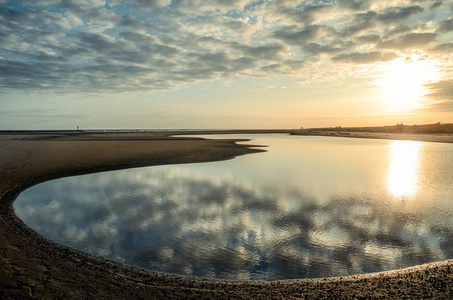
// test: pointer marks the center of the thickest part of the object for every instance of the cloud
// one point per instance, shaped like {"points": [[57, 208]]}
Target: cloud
{"points": [[446, 26], [264, 52], [442, 90], [143, 4], [296, 36], [371, 38], [439, 106], [436, 5], [410, 40], [441, 95], [360, 22], [19, 75], [365, 58], [316, 49], [306, 14], [355, 4], [396, 14], [447, 47], [162, 44]]}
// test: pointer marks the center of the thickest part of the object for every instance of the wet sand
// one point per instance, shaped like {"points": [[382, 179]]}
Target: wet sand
{"points": [[32, 267]]}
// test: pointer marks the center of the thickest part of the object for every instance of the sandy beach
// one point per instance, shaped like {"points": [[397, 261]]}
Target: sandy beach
{"points": [[32, 267]]}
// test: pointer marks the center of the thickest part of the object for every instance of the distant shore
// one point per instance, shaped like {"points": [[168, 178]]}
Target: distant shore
{"points": [[420, 137], [438, 132], [32, 267]]}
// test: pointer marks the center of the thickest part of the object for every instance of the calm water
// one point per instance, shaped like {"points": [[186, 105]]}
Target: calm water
{"points": [[309, 207]]}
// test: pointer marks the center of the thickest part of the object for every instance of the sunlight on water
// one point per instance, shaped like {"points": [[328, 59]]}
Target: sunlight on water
{"points": [[404, 171]]}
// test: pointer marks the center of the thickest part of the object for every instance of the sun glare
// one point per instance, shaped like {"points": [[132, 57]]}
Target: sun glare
{"points": [[403, 174], [403, 82]]}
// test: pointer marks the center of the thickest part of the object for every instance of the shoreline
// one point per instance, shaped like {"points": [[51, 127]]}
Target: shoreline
{"points": [[34, 267], [418, 137]]}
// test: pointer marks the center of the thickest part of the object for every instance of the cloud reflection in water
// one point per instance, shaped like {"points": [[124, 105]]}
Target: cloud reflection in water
{"points": [[170, 219]]}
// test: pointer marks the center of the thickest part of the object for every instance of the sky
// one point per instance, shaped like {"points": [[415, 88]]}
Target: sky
{"points": [[224, 64]]}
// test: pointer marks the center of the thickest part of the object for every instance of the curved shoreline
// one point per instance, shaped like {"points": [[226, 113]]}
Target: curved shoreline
{"points": [[34, 267]]}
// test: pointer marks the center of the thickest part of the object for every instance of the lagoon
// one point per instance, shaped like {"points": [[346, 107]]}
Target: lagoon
{"points": [[309, 207]]}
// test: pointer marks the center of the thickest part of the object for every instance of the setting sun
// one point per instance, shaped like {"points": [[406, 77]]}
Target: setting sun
{"points": [[403, 82]]}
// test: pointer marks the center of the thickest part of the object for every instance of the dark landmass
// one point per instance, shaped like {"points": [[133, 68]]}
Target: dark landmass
{"points": [[437, 128], [442, 133]]}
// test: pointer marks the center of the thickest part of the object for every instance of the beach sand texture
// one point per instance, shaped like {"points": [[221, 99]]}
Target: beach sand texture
{"points": [[32, 267]]}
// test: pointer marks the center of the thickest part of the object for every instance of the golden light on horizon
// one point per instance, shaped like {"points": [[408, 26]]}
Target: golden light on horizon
{"points": [[403, 82], [404, 170]]}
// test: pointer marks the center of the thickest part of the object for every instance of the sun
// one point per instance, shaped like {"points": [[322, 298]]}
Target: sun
{"points": [[403, 82]]}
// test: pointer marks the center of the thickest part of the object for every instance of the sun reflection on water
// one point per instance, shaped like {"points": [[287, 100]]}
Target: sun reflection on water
{"points": [[404, 170]]}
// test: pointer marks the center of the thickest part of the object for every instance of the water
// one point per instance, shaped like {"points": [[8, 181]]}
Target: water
{"points": [[310, 207]]}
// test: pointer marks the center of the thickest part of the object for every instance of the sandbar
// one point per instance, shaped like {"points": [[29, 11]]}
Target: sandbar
{"points": [[32, 267]]}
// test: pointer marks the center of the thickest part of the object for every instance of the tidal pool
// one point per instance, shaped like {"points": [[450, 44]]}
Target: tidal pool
{"points": [[309, 207]]}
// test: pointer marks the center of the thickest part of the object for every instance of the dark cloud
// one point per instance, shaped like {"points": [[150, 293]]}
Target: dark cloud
{"points": [[436, 5], [295, 36], [144, 4], [365, 58], [446, 26], [447, 47], [355, 4], [214, 3], [316, 49], [98, 42], [305, 15], [361, 22], [20, 75], [442, 90], [367, 20], [131, 24], [396, 14], [441, 95], [410, 40], [438, 106], [265, 52], [371, 38]]}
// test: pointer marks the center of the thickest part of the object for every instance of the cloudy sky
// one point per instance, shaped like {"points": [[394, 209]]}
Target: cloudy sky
{"points": [[224, 63]]}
